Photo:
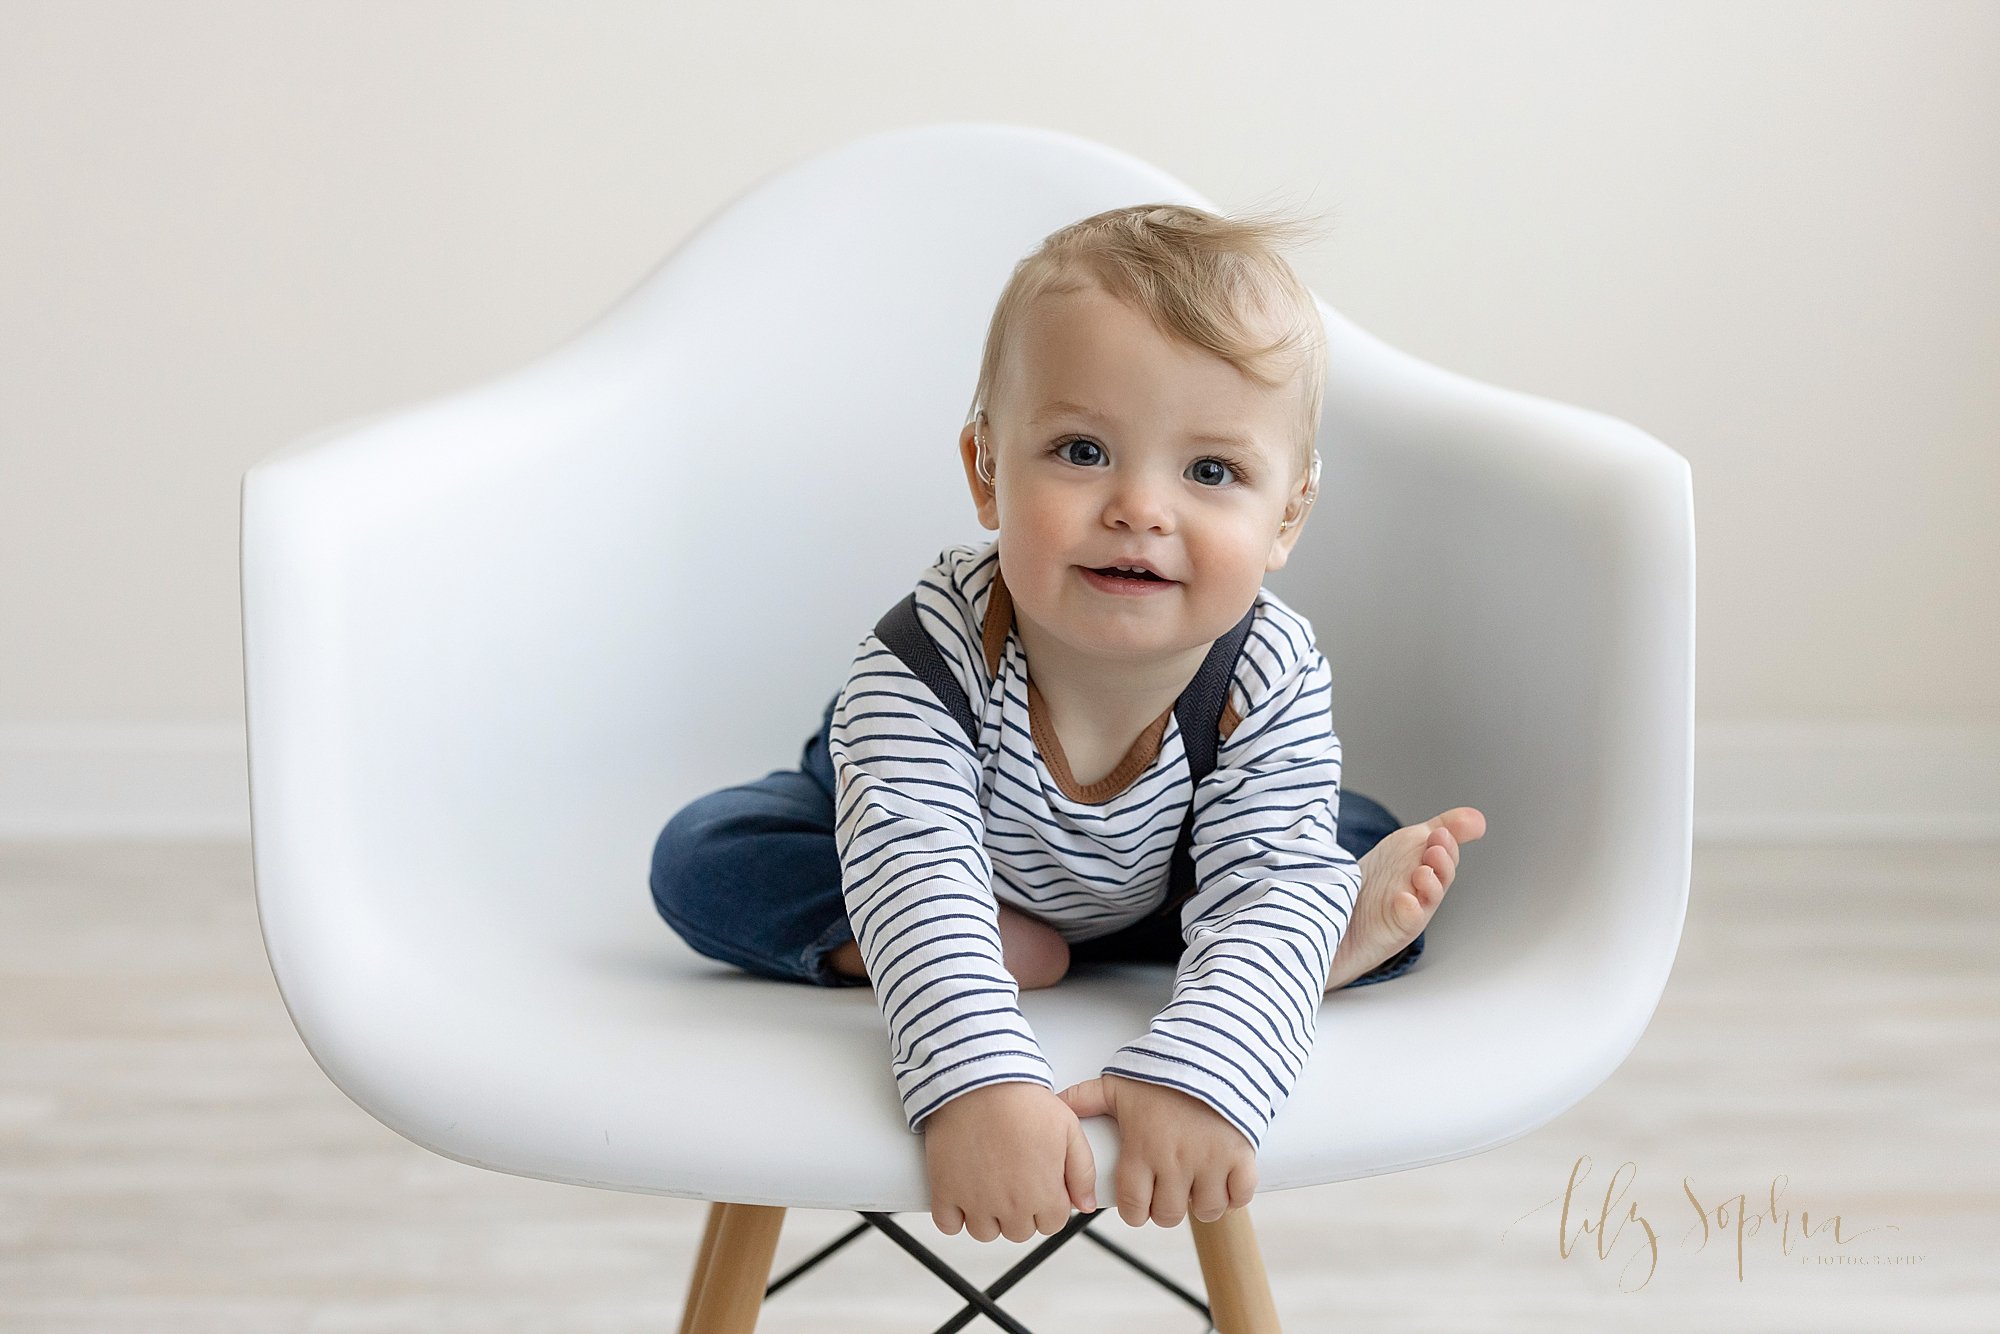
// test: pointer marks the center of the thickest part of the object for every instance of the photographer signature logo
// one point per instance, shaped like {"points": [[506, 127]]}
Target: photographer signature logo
{"points": [[1611, 1222]]}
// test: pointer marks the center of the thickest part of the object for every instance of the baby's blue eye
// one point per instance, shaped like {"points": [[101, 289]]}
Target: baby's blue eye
{"points": [[1229, 466], [1065, 444]]}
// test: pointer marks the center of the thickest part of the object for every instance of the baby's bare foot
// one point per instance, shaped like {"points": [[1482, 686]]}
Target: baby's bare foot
{"points": [[1403, 879]]}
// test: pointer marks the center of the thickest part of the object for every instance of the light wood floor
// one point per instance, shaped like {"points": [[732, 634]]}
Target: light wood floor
{"points": [[172, 1160]]}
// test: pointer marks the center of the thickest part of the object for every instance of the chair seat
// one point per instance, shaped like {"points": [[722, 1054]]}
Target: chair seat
{"points": [[644, 1066]]}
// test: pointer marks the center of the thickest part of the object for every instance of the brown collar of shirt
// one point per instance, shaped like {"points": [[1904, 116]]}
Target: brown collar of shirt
{"points": [[999, 623]]}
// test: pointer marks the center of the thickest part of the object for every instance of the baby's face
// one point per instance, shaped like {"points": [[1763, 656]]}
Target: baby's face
{"points": [[1098, 453]]}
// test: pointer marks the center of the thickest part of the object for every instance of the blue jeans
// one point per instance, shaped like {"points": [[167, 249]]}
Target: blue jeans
{"points": [[750, 876]]}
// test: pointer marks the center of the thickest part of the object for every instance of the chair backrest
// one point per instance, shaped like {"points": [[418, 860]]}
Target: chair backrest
{"points": [[494, 640]]}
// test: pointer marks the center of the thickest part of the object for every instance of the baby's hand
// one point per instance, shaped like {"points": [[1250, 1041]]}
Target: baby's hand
{"points": [[1007, 1160], [1175, 1151]]}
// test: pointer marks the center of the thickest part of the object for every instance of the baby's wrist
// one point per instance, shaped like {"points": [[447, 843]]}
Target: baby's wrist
{"points": [[988, 1100]]}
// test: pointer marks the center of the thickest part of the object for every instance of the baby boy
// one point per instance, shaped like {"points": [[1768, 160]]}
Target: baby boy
{"points": [[1142, 441]]}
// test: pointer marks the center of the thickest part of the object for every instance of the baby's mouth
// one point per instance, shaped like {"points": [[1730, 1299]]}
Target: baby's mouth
{"points": [[1110, 572]]}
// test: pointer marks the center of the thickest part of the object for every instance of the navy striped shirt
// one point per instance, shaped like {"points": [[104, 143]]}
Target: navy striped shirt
{"points": [[933, 833]]}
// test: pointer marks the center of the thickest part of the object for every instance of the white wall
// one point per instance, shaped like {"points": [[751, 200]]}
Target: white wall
{"points": [[1768, 234]]}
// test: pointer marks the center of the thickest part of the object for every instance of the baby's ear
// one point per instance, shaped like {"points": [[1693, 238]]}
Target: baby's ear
{"points": [[1281, 550]]}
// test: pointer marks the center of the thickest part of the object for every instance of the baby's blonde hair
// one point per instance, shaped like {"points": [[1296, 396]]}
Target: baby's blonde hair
{"points": [[1202, 278]]}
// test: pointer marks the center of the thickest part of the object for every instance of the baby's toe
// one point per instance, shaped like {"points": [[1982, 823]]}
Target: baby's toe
{"points": [[1413, 907]]}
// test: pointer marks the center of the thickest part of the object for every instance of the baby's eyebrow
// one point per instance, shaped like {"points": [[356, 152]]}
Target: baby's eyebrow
{"points": [[1063, 408]]}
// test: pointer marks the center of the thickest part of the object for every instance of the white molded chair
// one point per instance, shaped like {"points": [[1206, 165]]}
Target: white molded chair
{"points": [[494, 641]]}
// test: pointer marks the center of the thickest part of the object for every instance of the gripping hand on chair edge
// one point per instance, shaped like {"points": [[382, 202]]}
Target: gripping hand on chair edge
{"points": [[1007, 1160]]}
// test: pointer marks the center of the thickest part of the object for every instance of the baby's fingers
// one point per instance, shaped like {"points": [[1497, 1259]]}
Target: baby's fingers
{"points": [[1135, 1190], [1080, 1171], [1210, 1199], [1242, 1183], [948, 1218]]}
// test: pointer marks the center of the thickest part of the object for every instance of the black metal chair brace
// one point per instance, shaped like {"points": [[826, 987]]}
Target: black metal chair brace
{"points": [[980, 1301]]}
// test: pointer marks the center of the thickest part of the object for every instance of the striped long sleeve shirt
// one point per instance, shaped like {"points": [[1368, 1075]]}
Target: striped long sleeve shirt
{"points": [[934, 833]]}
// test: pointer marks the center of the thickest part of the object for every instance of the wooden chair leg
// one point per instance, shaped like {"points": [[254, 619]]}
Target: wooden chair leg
{"points": [[726, 1291], [700, 1275], [1232, 1268]]}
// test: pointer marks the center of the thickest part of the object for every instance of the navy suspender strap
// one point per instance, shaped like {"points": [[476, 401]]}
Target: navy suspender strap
{"points": [[1199, 711], [908, 640]]}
